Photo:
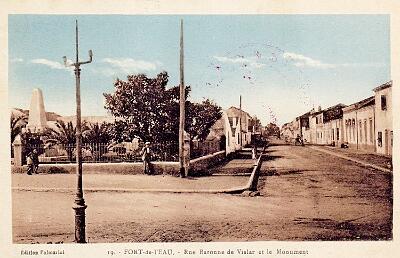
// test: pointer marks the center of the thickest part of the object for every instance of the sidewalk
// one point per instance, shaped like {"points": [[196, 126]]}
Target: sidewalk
{"points": [[127, 183], [373, 160]]}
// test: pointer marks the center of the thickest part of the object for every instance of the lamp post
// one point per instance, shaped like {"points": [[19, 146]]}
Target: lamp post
{"points": [[79, 203]]}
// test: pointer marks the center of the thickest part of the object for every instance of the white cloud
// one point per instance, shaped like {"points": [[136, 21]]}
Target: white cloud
{"points": [[240, 60], [52, 64], [17, 60], [301, 61], [129, 65]]}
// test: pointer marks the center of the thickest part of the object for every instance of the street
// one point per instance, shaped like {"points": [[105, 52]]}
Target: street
{"points": [[305, 195]]}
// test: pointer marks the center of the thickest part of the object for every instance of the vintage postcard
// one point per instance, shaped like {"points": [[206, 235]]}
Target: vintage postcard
{"points": [[146, 129]]}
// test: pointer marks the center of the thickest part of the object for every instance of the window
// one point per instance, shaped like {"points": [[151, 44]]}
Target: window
{"points": [[379, 139], [365, 131], [231, 121], [371, 131], [383, 102], [337, 134]]}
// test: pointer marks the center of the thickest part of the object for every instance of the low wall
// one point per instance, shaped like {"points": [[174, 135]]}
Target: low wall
{"points": [[171, 168], [197, 167]]}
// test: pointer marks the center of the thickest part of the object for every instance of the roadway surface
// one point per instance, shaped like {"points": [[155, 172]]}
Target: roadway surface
{"points": [[305, 195]]}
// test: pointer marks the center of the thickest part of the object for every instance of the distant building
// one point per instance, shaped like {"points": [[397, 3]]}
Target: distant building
{"points": [[365, 125], [326, 126], [239, 122], [221, 131], [384, 118], [360, 124]]}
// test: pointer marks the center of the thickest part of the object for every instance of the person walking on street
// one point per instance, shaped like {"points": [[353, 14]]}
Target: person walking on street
{"points": [[29, 162], [146, 156], [35, 159], [254, 152]]}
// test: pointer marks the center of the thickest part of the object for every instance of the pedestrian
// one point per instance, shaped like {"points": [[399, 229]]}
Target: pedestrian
{"points": [[29, 162], [254, 152], [35, 159], [146, 157]]}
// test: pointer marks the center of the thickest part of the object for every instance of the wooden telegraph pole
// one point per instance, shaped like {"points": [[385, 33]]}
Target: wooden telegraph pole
{"points": [[240, 121], [182, 101]]}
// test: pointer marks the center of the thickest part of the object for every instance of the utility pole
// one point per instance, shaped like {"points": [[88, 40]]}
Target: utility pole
{"points": [[79, 203], [182, 101], [240, 121]]}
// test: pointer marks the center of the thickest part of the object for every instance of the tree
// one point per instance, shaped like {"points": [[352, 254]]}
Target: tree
{"points": [[200, 117], [97, 133], [97, 137], [30, 141], [16, 125], [64, 134], [272, 130], [255, 124], [147, 109]]}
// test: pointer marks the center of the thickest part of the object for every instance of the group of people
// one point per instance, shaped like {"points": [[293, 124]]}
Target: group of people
{"points": [[32, 161]]}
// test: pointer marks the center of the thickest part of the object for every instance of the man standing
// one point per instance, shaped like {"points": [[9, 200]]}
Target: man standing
{"points": [[35, 159], [146, 156], [29, 162]]}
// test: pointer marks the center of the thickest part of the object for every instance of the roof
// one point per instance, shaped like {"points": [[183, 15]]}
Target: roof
{"points": [[360, 104], [236, 112], [333, 113], [383, 86]]}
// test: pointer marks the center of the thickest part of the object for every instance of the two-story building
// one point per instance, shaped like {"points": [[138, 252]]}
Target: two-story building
{"points": [[239, 122], [359, 124], [384, 118]]}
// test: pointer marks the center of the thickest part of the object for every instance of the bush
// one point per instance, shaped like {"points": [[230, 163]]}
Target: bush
{"points": [[42, 170], [53, 170]]}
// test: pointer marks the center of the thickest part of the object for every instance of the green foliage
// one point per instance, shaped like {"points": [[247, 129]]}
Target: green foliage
{"points": [[98, 133], [200, 117], [65, 133], [16, 125], [147, 109], [272, 130]]}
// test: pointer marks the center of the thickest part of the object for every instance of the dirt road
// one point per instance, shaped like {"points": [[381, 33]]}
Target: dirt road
{"points": [[306, 195]]}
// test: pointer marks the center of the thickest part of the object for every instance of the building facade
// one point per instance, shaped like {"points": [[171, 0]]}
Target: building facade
{"points": [[364, 125], [384, 118], [359, 121], [239, 122]]}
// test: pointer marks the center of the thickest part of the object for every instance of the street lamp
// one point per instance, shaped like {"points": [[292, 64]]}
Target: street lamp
{"points": [[79, 203]]}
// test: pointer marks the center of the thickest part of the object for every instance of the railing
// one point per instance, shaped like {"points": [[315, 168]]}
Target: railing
{"points": [[200, 149], [102, 152], [117, 152]]}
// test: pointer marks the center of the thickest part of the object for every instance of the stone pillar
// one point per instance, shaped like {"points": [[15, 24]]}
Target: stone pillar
{"points": [[17, 145], [37, 115]]}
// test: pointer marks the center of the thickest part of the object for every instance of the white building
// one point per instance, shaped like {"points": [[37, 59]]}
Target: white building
{"points": [[384, 118]]}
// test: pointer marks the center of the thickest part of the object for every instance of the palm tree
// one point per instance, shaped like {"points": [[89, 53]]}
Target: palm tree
{"points": [[65, 134], [97, 133], [97, 136], [16, 125]]}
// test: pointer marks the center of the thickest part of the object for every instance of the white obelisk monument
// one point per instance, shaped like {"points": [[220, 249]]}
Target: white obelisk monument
{"points": [[37, 115]]}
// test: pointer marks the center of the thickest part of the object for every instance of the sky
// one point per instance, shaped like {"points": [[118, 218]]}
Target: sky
{"points": [[281, 65]]}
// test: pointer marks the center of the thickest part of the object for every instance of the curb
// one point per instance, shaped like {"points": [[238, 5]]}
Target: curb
{"points": [[130, 190], [250, 186], [352, 159]]}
